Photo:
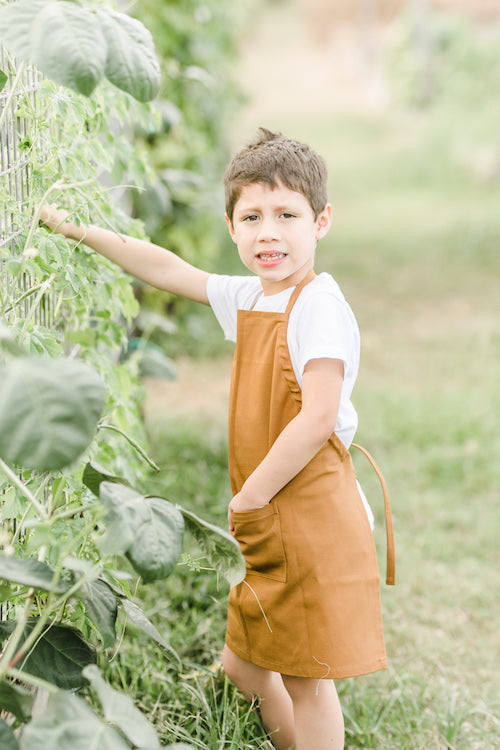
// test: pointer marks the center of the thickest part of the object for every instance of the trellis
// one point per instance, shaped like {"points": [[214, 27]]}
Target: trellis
{"points": [[15, 179]]}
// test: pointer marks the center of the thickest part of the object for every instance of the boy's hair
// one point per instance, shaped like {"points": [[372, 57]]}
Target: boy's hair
{"points": [[274, 158]]}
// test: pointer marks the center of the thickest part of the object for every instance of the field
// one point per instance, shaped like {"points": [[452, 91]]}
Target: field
{"points": [[415, 247]]}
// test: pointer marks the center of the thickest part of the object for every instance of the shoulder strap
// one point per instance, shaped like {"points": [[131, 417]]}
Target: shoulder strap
{"points": [[391, 558], [309, 277]]}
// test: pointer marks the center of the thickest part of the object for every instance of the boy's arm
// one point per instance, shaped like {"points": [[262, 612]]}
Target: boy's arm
{"points": [[144, 260], [301, 439]]}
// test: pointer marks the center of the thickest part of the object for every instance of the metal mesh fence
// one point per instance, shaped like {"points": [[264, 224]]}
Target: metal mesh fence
{"points": [[15, 179]]}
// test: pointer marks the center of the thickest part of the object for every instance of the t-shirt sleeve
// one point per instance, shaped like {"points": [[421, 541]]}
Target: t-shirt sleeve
{"points": [[227, 295], [327, 329]]}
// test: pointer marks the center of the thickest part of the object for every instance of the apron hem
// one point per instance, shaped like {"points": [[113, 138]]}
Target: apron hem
{"points": [[352, 670]]}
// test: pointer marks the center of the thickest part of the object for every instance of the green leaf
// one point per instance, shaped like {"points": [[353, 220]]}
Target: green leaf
{"points": [[30, 573], [69, 723], [3, 80], [102, 608], [222, 550], [16, 700], [119, 709], [139, 619], [7, 738], [48, 411], [6, 629], [59, 656], [94, 474], [148, 530], [62, 39], [131, 62]]}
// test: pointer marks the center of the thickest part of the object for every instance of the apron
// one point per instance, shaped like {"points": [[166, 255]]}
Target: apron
{"points": [[310, 603]]}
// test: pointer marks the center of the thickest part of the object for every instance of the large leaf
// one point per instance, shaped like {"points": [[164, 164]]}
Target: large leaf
{"points": [[102, 607], [7, 738], [49, 409], [119, 709], [30, 573], [63, 39], [70, 724], [77, 47], [131, 62], [59, 656], [16, 700], [148, 530], [16, 22], [222, 550]]}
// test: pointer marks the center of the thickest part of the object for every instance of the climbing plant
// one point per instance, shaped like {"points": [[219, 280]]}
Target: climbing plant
{"points": [[77, 531]]}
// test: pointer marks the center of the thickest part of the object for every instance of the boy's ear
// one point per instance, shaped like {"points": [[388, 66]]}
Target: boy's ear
{"points": [[230, 227], [324, 221]]}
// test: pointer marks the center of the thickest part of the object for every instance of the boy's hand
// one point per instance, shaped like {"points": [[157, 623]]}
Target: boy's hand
{"points": [[56, 219], [240, 503]]}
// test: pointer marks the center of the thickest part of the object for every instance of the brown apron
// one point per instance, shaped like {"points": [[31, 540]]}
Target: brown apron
{"points": [[310, 603]]}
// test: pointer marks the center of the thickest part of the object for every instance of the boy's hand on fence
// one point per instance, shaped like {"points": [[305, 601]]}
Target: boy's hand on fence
{"points": [[56, 219]]}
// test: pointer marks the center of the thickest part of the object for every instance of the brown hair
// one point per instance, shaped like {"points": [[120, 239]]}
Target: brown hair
{"points": [[271, 158]]}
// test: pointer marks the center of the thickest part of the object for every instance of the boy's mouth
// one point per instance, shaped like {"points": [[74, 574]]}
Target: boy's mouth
{"points": [[270, 258]]}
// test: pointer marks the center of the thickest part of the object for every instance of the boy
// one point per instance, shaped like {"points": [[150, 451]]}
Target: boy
{"points": [[309, 608]]}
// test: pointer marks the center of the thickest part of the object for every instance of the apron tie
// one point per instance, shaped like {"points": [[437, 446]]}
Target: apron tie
{"points": [[391, 557]]}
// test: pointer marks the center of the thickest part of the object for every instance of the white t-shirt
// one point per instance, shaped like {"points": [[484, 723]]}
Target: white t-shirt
{"points": [[321, 325]]}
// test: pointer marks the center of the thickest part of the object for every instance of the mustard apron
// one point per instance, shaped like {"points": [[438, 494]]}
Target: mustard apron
{"points": [[310, 602]]}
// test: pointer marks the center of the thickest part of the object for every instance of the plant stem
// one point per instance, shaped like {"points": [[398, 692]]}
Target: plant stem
{"points": [[132, 442], [16, 481], [37, 682]]}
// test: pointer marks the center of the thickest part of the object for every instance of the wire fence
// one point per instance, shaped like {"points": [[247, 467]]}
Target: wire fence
{"points": [[15, 180]]}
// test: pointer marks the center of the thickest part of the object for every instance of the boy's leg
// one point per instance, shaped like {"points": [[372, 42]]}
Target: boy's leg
{"points": [[274, 701], [319, 724]]}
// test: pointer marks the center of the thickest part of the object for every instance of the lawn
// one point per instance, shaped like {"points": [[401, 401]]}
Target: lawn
{"points": [[415, 247]]}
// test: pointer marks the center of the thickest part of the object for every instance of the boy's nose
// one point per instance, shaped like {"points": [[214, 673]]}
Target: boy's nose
{"points": [[268, 230]]}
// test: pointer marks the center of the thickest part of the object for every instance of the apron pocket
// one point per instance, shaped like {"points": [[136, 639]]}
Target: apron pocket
{"points": [[258, 533]]}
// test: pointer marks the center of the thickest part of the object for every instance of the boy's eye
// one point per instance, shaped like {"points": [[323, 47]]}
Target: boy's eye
{"points": [[287, 215], [251, 217]]}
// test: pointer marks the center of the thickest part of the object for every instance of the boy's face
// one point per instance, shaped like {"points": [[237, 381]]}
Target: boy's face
{"points": [[276, 234]]}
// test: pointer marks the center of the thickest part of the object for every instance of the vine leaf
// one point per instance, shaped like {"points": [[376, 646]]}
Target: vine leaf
{"points": [[49, 409], [131, 62], [222, 550], [30, 573], [59, 656], [3, 80], [94, 474], [16, 700], [68, 722], [139, 619], [102, 607], [148, 530], [119, 709], [77, 47]]}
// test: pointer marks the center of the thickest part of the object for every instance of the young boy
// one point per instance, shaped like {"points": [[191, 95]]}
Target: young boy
{"points": [[309, 608]]}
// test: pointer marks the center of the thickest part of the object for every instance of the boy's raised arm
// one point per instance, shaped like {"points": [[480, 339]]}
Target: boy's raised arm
{"points": [[144, 260]]}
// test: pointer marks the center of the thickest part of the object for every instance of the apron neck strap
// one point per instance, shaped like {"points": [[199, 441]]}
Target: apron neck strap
{"points": [[309, 277]]}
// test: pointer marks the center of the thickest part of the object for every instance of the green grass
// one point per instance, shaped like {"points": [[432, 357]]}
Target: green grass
{"points": [[415, 248]]}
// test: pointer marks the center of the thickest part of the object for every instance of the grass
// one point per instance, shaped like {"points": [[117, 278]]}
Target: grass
{"points": [[415, 248]]}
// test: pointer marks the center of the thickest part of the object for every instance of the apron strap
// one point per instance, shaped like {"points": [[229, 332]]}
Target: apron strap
{"points": [[309, 277], [391, 558]]}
